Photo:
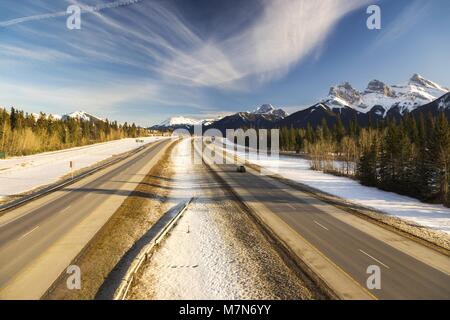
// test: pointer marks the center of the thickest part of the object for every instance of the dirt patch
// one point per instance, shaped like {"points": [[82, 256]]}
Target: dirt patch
{"points": [[129, 223]]}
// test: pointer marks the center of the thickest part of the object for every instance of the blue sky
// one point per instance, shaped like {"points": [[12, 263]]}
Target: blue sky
{"points": [[147, 60]]}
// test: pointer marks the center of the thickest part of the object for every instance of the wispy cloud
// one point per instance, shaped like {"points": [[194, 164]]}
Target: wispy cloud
{"points": [[33, 53], [409, 17], [84, 9], [69, 97], [159, 56], [283, 35], [103, 99], [159, 40]]}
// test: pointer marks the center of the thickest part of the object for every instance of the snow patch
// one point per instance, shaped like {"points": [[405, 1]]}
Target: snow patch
{"points": [[435, 217], [22, 174]]}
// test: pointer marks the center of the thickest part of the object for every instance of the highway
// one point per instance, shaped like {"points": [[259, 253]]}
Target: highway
{"points": [[408, 269], [28, 233], [39, 240]]}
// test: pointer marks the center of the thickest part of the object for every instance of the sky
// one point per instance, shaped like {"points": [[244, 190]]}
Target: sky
{"points": [[144, 61]]}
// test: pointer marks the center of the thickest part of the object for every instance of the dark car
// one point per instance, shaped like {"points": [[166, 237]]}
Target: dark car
{"points": [[241, 169]]}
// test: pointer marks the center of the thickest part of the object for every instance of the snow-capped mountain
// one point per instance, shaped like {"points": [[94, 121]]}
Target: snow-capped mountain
{"points": [[440, 105], [268, 109], [182, 122], [262, 117], [179, 121], [81, 115], [376, 102], [443, 103], [54, 116], [417, 92], [207, 122]]}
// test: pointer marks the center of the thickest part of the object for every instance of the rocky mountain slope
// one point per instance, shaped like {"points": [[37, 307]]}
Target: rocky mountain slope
{"points": [[376, 102]]}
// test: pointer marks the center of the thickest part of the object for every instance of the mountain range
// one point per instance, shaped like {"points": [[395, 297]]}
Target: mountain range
{"points": [[80, 115], [181, 122], [376, 102], [262, 116]]}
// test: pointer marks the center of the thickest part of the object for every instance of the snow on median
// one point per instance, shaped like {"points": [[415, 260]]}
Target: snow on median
{"points": [[23, 174], [433, 216]]}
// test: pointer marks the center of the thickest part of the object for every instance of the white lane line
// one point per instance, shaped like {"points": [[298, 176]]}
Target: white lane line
{"points": [[24, 235], [374, 259], [68, 207], [322, 226], [291, 206]]}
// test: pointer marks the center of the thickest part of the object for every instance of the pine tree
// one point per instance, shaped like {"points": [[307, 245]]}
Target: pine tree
{"points": [[325, 131], [310, 137], [439, 150], [299, 140], [339, 130], [421, 181], [292, 139], [367, 165], [387, 157]]}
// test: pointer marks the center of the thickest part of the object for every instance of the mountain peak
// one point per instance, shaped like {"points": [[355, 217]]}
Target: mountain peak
{"points": [[265, 108], [417, 78], [178, 121], [420, 81], [81, 115], [268, 109], [345, 92], [376, 86]]}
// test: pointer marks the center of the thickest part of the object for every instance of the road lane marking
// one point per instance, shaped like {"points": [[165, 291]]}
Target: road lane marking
{"points": [[332, 263], [321, 225], [24, 235], [291, 206], [374, 259], [68, 207], [109, 166]]}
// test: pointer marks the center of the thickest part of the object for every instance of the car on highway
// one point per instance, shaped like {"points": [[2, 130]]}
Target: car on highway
{"points": [[241, 169]]}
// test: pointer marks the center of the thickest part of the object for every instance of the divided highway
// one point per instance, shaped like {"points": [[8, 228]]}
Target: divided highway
{"points": [[38, 240]]}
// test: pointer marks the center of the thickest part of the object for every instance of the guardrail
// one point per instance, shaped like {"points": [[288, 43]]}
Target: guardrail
{"points": [[59, 185], [146, 252]]}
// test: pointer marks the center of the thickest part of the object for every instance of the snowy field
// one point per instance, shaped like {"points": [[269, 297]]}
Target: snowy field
{"points": [[428, 215], [22, 174]]}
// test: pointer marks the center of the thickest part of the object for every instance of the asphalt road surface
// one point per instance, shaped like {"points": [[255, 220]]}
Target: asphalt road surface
{"points": [[40, 223], [402, 276]]}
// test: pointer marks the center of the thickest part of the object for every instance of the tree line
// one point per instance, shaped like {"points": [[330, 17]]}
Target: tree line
{"points": [[409, 156], [24, 133]]}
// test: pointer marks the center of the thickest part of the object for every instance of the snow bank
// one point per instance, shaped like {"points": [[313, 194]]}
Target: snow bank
{"points": [[297, 169], [22, 174]]}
